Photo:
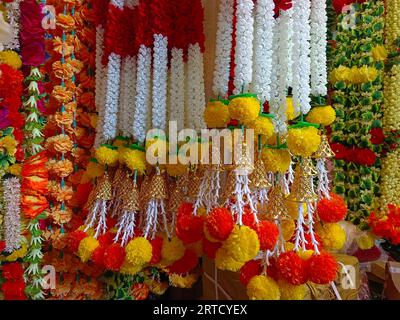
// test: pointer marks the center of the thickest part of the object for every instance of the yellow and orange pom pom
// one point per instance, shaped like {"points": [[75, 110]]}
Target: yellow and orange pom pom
{"points": [[216, 114]]}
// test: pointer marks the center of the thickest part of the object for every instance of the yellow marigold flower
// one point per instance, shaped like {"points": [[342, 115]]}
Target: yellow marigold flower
{"points": [[379, 53], [216, 114], [323, 115], [11, 58], [263, 288], [9, 144]]}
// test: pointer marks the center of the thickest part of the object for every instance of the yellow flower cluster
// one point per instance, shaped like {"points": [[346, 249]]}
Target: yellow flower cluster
{"points": [[391, 118], [107, 156], [182, 281], [244, 109], [262, 126], [171, 250], [303, 141], [9, 144], [263, 288], [216, 114], [392, 23], [332, 235], [241, 246], [354, 75], [134, 159], [86, 248], [323, 115], [379, 53], [138, 252], [290, 291], [390, 179], [276, 160], [11, 58]]}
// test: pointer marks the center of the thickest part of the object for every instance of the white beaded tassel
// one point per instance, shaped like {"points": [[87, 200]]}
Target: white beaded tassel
{"points": [[319, 30], [160, 81], [280, 71], [244, 45], [323, 179], [13, 16], [12, 220], [127, 96], [110, 121], [223, 48], [101, 82], [301, 56], [195, 88], [243, 197], [143, 94], [177, 88], [263, 49]]}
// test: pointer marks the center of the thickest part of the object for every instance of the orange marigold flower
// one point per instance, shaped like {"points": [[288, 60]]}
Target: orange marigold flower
{"points": [[61, 94], [67, 22], [62, 70], [62, 168]]}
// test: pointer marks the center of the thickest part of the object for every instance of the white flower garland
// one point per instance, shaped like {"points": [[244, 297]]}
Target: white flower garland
{"points": [[127, 96], [195, 88], [289, 78], [112, 97], [223, 48], [263, 50], [100, 79], [160, 79], [177, 88], [280, 71], [301, 56], [13, 15], [12, 223], [143, 94], [244, 45], [319, 31]]}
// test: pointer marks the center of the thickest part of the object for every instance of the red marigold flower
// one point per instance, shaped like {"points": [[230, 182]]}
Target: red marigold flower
{"points": [[340, 150], [292, 268], [186, 264], [210, 248], [13, 271], [250, 269], [333, 209], [156, 245], [219, 223], [114, 257], [268, 234], [322, 268]]}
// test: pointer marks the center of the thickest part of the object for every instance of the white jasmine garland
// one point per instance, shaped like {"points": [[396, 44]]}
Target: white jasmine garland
{"points": [[223, 48], [280, 71], [244, 45], [289, 78], [101, 81], [127, 96], [319, 30], [112, 97], [160, 79], [177, 88], [195, 88], [143, 92], [12, 223], [13, 15], [263, 50], [301, 56]]}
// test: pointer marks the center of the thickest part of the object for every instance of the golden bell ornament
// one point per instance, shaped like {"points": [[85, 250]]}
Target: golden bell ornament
{"points": [[324, 150], [144, 190], [244, 165], [176, 198], [158, 187], [258, 179], [302, 189], [104, 190], [229, 187], [130, 201], [276, 206], [194, 183], [308, 167]]}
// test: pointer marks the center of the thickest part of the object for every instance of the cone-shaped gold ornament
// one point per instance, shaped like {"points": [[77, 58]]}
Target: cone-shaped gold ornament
{"points": [[308, 167], [104, 190], [258, 179], [229, 186], [244, 164], [276, 207], [302, 189], [194, 183], [158, 187], [176, 198], [131, 197], [324, 150]]}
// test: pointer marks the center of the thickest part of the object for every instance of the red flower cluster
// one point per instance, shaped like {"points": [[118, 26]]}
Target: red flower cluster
{"points": [[14, 287], [283, 5], [360, 156], [249, 270], [189, 228], [186, 264], [388, 225], [333, 209], [292, 268], [219, 224], [377, 136]]}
